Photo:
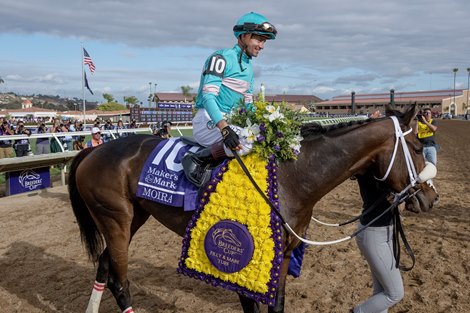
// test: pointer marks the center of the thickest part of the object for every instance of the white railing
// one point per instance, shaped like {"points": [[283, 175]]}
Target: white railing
{"points": [[56, 136], [337, 120]]}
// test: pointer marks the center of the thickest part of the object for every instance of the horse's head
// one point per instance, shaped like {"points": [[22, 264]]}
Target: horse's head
{"points": [[400, 163]]}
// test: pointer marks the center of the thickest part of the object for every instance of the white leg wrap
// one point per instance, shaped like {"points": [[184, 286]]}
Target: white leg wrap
{"points": [[128, 310], [95, 299]]}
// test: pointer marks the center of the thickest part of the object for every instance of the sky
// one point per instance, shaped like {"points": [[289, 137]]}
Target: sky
{"points": [[324, 48]]}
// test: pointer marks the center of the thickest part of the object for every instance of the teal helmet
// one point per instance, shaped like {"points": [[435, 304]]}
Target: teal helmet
{"points": [[254, 23]]}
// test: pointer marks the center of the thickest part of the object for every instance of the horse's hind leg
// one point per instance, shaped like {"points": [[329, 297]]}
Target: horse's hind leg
{"points": [[100, 283], [114, 275], [118, 283]]}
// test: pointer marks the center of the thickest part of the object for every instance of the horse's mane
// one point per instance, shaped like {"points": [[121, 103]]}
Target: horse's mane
{"points": [[312, 130]]}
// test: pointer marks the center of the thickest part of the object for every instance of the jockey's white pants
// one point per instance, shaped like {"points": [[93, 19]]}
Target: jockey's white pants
{"points": [[206, 133]]}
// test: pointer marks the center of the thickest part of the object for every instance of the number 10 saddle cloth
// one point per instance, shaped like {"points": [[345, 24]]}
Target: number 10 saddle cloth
{"points": [[234, 239]]}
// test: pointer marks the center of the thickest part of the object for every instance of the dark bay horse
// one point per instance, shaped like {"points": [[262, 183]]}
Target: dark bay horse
{"points": [[109, 213]]}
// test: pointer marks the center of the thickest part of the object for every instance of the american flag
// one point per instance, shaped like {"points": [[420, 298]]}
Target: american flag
{"points": [[87, 61]]}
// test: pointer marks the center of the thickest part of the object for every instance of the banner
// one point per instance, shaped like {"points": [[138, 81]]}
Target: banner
{"points": [[28, 180]]}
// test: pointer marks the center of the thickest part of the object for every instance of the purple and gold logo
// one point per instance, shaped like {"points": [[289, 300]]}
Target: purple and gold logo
{"points": [[229, 246]]}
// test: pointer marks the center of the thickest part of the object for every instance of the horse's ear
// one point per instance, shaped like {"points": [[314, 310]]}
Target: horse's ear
{"points": [[409, 114], [389, 111], [405, 117]]}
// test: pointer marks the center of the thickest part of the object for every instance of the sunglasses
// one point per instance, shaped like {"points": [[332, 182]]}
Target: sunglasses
{"points": [[252, 27]]}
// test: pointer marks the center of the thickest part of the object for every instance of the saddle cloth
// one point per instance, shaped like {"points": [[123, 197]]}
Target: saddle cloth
{"points": [[162, 178], [234, 239]]}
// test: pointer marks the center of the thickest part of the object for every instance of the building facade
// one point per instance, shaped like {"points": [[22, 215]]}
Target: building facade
{"points": [[438, 100]]}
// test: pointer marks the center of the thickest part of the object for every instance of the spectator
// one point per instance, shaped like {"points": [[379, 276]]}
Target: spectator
{"points": [[67, 141], [108, 126], [56, 128], [95, 138], [42, 144], [79, 143], [164, 132], [97, 123], [120, 125], [133, 124], [6, 150], [77, 126], [21, 146], [426, 128]]}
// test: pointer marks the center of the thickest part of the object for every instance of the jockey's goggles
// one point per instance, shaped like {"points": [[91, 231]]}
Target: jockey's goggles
{"points": [[264, 27]]}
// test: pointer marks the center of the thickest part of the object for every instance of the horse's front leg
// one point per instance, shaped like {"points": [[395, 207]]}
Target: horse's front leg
{"points": [[248, 305], [281, 289]]}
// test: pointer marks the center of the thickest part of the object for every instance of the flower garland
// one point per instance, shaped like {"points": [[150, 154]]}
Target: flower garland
{"points": [[230, 196], [273, 129]]}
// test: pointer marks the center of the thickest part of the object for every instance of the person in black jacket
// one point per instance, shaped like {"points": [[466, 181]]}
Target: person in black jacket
{"points": [[21, 146], [164, 131]]}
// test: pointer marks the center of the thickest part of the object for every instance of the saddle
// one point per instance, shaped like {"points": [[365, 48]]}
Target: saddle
{"points": [[198, 166]]}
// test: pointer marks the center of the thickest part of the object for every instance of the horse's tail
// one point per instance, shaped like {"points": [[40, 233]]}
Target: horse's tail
{"points": [[89, 232]]}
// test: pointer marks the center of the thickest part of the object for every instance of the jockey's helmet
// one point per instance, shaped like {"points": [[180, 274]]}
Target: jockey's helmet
{"points": [[254, 23]]}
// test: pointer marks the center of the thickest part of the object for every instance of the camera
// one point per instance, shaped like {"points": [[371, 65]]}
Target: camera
{"points": [[419, 117]]}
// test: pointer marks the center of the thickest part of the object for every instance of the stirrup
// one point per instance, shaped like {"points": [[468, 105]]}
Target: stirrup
{"points": [[196, 170]]}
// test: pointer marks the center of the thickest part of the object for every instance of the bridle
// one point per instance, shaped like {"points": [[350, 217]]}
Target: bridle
{"points": [[400, 138], [398, 198]]}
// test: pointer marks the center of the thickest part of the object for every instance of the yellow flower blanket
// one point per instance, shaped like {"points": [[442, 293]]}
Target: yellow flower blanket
{"points": [[234, 240]]}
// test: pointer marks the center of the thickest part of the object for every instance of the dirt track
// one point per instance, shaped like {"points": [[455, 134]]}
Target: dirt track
{"points": [[43, 267]]}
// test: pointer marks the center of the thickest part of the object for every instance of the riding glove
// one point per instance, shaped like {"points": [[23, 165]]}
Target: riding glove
{"points": [[230, 138]]}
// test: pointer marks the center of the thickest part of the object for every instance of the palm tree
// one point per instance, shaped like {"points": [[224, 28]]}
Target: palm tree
{"points": [[131, 100], [186, 91], [108, 97]]}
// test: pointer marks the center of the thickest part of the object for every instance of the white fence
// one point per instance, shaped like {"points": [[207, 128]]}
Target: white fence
{"points": [[35, 161]]}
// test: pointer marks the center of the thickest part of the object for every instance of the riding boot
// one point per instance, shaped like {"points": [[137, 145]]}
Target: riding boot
{"points": [[197, 165]]}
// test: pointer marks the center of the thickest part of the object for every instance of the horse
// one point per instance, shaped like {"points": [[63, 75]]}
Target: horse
{"points": [[109, 214]]}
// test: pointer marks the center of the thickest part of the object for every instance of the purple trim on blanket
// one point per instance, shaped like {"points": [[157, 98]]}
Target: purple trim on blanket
{"points": [[268, 297]]}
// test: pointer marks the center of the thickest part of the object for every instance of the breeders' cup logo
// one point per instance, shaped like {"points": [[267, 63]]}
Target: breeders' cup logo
{"points": [[229, 246], [29, 179], [226, 240]]}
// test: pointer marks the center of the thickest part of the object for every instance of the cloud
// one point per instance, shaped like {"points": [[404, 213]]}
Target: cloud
{"points": [[355, 44]]}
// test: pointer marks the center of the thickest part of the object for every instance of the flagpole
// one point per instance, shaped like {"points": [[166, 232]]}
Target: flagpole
{"points": [[83, 87]]}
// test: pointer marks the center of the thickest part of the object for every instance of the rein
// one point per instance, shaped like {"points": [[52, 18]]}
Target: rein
{"points": [[398, 198]]}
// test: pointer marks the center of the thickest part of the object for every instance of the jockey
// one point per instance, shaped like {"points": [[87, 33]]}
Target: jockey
{"points": [[227, 79]]}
